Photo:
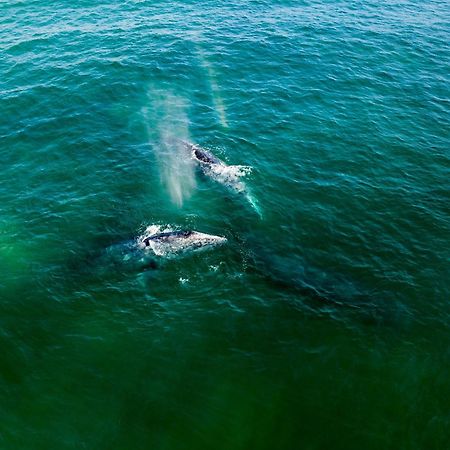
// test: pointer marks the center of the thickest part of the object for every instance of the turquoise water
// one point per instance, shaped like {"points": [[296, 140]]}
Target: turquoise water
{"points": [[323, 323]]}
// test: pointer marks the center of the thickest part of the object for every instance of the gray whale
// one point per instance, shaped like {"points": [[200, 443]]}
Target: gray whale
{"points": [[151, 248], [169, 243], [229, 176]]}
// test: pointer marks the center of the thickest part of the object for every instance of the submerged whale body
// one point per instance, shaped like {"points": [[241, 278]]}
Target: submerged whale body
{"points": [[321, 291]]}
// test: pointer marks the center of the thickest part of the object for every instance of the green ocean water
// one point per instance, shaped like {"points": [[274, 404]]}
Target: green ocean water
{"points": [[324, 321]]}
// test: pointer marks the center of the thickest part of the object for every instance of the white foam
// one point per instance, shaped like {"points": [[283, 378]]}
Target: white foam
{"points": [[151, 230], [228, 175]]}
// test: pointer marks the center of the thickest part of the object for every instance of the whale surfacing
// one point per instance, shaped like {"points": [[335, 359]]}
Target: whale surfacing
{"points": [[170, 243], [227, 175], [215, 168]]}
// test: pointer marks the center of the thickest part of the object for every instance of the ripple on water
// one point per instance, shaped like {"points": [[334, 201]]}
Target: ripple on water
{"points": [[340, 291]]}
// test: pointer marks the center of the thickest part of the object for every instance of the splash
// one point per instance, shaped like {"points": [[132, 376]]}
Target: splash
{"points": [[151, 231], [229, 175]]}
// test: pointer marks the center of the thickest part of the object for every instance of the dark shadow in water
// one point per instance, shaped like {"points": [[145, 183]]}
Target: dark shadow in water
{"points": [[318, 290], [110, 262], [291, 274]]}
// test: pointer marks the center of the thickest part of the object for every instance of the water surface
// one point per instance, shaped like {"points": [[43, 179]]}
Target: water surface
{"points": [[322, 324]]}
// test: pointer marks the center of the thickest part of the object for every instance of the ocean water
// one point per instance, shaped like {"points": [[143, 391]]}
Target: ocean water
{"points": [[324, 321]]}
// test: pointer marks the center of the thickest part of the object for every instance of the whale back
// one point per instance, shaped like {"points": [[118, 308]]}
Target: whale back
{"points": [[205, 157]]}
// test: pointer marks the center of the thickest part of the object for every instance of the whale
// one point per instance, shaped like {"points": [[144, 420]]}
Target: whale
{"points": [[229, 176], [168, 243], [215, 168], [150, 250]]}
